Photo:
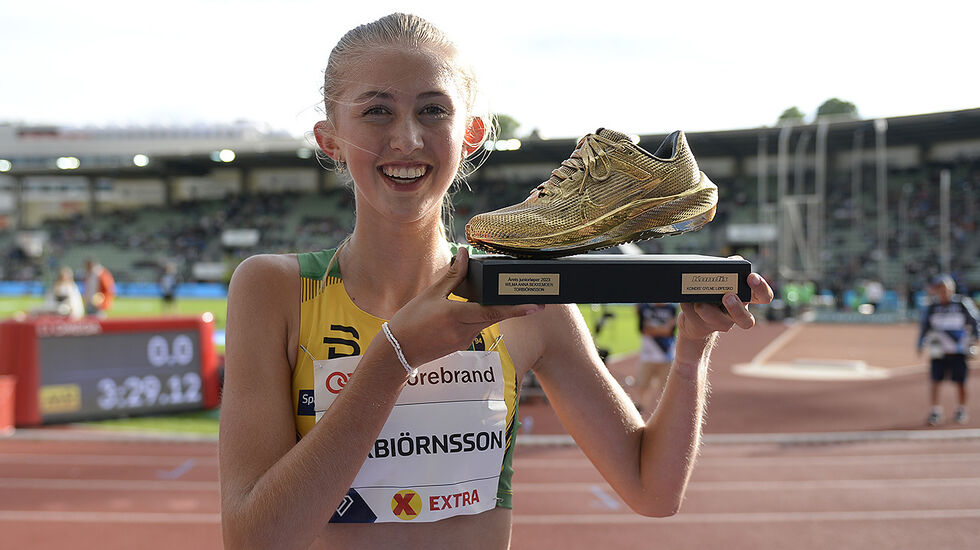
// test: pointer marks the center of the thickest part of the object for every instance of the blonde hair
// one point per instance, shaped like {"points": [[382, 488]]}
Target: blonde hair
{"points": [[414, 33]]}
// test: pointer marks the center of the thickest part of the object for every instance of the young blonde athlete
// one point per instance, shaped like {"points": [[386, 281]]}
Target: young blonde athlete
{"points": [[315, 453]]}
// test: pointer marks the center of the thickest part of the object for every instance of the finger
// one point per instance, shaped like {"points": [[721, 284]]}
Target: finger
{"points": [[714, 316], [738, 311], [456, 273], [475, 314], [761, 291]]}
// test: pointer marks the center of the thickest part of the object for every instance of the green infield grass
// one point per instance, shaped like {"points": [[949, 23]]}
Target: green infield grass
{"points": [[128, 306]]}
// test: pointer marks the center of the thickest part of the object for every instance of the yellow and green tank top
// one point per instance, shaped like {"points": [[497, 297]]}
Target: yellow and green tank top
{"points": [[447, 447]]}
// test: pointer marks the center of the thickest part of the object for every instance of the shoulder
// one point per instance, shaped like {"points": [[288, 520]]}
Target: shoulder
{"points": [[265, 268], [264, 278]]}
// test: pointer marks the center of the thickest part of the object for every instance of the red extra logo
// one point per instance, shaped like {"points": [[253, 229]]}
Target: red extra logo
{"points": [[406, 504], [336, 381], [455, 500]]}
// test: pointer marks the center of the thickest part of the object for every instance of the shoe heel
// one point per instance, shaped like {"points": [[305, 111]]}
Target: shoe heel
{"points": [[649, 224]]}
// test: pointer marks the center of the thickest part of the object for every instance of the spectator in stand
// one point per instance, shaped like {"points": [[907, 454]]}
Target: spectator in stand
{"points": [[874, 293], [949, 330], [100, 288]]}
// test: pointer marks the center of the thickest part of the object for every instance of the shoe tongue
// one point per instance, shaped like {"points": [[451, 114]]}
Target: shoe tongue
{"points": [[612, 134]]}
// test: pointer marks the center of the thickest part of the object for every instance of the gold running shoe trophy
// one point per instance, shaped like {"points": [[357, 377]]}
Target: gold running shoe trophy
{"points": [[608, 192]]}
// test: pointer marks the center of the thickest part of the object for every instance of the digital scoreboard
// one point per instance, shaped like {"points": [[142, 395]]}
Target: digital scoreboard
{"points": [[91, 369]]}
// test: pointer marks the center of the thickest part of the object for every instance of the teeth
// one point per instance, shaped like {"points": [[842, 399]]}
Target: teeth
{"points": [[404, 172]]}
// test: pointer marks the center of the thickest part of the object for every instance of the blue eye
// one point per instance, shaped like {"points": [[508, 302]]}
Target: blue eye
{"points": [[435, 110], [375, 110]]}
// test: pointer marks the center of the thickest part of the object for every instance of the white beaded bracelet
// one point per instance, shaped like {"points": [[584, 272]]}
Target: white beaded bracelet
{"points": [[412, 373]]}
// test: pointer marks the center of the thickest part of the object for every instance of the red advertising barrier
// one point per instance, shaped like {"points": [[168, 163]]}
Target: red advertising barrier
{"points": [[68, 371], [8, 385]]}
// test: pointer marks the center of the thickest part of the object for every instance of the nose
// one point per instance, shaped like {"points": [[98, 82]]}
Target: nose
{"points": [[406, 136]]}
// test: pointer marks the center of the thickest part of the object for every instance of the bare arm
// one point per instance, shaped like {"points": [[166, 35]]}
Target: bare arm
{"points": [[648, 465], [280, 493]]}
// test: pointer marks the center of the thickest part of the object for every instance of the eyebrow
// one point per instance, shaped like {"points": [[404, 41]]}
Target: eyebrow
{"points": [[371, 95]]}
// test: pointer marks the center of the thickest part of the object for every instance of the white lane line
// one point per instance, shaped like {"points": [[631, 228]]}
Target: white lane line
{"points": [[105, 460], [776, 344], [848, 460], [747, 486], [121, 436], [755, 517], [954, 434], [521, 519], [599, 490], [107, 484], [603, 497], [833, 484], [106, 517], [785, 460], [177, 472]]}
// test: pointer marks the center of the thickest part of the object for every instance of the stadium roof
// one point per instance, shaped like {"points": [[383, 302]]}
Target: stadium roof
{"points": [[192, 155]]}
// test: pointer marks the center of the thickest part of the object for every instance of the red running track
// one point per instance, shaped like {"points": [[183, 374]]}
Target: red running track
{"points": [[873, 479]]}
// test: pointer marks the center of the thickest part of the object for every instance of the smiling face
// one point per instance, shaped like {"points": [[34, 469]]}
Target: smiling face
{"points": [[399, 125]]}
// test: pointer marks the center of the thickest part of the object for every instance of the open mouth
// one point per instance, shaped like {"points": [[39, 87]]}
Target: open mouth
{"points": [[404, 175]]}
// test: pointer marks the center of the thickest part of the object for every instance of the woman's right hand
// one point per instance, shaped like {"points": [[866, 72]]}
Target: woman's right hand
{"points": [[432, 326]]}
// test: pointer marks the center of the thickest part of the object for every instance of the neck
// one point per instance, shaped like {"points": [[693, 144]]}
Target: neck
{"points": [[387, 264]]}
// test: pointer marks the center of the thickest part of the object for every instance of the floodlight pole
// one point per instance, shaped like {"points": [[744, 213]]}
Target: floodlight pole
{"points": [[903, 220], [765, 211], [857, 169], [799, 174], [820, 189], [763, 173], [945, 252], [881, 128], [782, 182]]}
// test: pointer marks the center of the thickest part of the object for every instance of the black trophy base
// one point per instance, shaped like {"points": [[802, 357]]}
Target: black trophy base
{"points": [[604, 279]]}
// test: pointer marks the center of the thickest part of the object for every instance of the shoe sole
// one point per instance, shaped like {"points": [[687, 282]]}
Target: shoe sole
{"points": [[636, 228]]}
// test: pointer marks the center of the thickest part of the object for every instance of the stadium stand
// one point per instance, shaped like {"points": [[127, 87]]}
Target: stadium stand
{"points": [[293, 206]]}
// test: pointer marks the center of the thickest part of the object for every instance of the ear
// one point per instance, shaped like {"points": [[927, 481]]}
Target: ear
{"points": [[323, 131], [474, 136]]}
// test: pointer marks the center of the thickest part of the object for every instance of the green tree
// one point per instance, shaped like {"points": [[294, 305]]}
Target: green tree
{"points": [[835, 106], [793, 114], [508, 126]]}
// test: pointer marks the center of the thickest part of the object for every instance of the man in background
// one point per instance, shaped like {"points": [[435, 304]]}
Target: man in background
{"points": [[168, 287], [949, 331], [658, 324], [100, 289]]}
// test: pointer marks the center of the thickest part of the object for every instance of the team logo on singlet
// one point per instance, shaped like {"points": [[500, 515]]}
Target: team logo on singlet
{"points": [[406, 504]]}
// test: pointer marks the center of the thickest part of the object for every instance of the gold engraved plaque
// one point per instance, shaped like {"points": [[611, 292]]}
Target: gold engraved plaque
{"points": [[709, 283], [528, 284]]}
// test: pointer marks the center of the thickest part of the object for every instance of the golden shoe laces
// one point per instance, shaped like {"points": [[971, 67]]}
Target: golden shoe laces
{"points": [[591, 152]]}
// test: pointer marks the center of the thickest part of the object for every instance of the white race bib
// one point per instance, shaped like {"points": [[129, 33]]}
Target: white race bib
{"points": [[440, 452]]}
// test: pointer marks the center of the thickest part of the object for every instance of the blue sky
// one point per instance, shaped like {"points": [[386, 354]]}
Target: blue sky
{"points": [[561, 67]]}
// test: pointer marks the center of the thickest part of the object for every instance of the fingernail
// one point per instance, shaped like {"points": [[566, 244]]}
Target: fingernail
{"points": [[731, 300], [754, 278]]}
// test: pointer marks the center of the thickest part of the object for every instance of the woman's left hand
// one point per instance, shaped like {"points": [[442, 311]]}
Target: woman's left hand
{"points": [[700, 320]]}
